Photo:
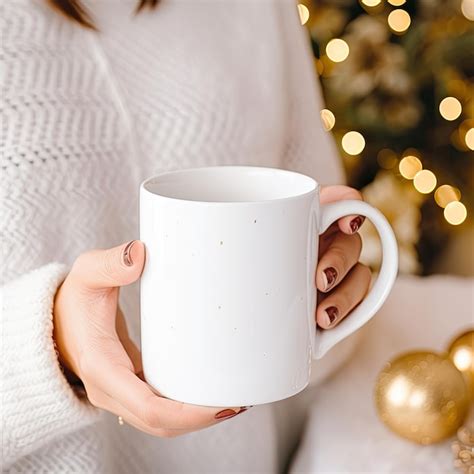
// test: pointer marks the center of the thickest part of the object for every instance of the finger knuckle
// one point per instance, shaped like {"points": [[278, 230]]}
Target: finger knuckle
{"points": [[82, 260], [94, 398], [352, 193], [340, 257], [357, 239], [344, 302], [365, 271], [79, 262]]}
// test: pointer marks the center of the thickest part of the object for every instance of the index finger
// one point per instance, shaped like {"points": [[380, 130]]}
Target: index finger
{"points": [[348, 224]]}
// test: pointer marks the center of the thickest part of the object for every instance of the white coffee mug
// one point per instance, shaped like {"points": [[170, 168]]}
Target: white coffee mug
{"points": [[228, 291]]}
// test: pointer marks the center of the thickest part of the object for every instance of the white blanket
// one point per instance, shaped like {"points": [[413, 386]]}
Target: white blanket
{"points": [[343, 433]]}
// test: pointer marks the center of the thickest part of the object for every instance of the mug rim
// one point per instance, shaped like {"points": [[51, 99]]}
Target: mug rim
{"points": [[315, 185]]}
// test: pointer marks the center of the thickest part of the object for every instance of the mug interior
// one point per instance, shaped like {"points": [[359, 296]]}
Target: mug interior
{"points": [[230, 184]]}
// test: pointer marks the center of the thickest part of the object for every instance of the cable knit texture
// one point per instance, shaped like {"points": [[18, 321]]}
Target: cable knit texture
{"points": [[33, 386], [86, 116]]}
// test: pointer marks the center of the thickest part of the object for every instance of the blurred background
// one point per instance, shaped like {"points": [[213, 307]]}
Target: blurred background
{"points": [[397, 78]]}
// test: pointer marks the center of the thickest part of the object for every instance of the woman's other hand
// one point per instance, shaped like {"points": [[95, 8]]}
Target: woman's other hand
{"points": [[92, 341], [342, 281]]}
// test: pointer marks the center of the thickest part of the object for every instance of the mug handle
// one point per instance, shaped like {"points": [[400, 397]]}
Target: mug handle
{"points": [[330, 213]]}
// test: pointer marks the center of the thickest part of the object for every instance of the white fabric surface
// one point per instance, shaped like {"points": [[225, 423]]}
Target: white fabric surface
{"points": [[86, 116], [343, 433]]}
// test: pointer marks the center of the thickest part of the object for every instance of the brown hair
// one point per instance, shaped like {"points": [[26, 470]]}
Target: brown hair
{"points": [[74, 10]]}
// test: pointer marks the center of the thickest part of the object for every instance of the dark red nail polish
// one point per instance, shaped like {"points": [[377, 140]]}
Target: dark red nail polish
{"points": [[356, 223], [227, 413], [331, 277], [332, 313], [127, 255]]}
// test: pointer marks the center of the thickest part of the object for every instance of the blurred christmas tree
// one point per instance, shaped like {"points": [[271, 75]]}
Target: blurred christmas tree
{"points": [[397, 78]]}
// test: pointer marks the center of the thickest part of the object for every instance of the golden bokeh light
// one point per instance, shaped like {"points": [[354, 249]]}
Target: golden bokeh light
{"points": [[303, 13], [424, 181], [446, 194], [353, 143], [463, 359], [469, 139], [409, 166], [467, 9], [328, 119], [396, 3], [399, 21], [370, 3], [337, 50], [455, 213], [450, 108]]}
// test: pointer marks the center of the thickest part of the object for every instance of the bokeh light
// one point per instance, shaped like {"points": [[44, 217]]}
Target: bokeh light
{"points": [[446, 194], [371, 3], [469, 139], [424, 181], [337, 50], [463, 358], [328, 119], [450, 108], [303, 13], [353, 143], [455, 213], [396, 3], [467, 9], [399, 21], [409, 166]]}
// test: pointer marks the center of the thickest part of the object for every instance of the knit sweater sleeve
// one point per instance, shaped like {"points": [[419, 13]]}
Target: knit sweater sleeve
{"points": [[38, 404]]}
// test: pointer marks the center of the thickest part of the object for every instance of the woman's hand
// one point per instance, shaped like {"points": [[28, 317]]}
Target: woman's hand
{"points": [[341, 280], [93, 342]]}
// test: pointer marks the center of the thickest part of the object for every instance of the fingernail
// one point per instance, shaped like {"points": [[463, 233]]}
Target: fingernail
{"points": [[356, 223], [127, 254], [332, 314], [227, 413], [329, 277]]}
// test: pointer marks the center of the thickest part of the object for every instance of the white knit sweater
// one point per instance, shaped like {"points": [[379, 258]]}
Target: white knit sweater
{"points": [[86, 117]]}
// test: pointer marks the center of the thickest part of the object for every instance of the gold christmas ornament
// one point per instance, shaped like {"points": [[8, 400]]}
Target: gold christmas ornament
{"points": [[461, 352], [421, 396]]}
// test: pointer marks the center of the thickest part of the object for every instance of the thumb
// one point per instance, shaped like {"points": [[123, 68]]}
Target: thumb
{"points": [[110, 268]]}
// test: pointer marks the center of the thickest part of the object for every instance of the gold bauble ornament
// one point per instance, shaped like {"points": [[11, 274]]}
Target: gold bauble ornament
{"points": [[461, 352], [422, 397]]}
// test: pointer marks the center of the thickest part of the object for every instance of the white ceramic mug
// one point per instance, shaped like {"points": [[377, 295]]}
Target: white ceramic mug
{"points": [[228, 291]]}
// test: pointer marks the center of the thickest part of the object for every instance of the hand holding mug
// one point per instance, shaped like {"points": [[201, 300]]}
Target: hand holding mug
{"points": [[341, 279], [92, 341]]}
